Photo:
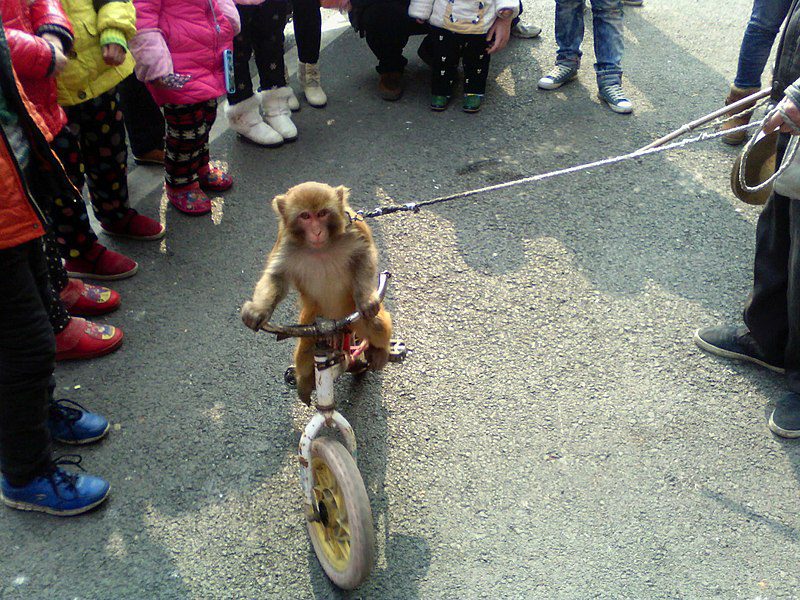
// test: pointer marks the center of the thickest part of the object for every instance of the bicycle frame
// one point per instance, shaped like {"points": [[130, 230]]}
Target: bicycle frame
{"points": [[329, 363]]}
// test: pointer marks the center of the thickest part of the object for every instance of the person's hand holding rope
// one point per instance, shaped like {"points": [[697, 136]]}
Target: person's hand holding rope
{"points": [[785, 119]]}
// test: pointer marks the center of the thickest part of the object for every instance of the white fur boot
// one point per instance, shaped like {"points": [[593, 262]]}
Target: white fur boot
{"points": [[309, 79], [294, 103], [245, 119], [275, 104]]}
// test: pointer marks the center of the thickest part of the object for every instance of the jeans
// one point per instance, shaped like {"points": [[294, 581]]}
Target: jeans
{"points": [[27, 361], [608, 44], [765, 22]]}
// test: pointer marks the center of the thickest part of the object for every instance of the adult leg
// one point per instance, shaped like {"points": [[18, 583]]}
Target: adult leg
{"points": [[569, 32], [144, 121], [387, 27], [765, 22], [608, 43]]}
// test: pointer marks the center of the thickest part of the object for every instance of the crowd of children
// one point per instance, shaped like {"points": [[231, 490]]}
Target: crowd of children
{"points": [[75, 61]]}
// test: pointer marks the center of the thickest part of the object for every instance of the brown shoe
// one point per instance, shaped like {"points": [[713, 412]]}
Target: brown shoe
{"points": [[736, 94], [154, 157], [390, 86]]}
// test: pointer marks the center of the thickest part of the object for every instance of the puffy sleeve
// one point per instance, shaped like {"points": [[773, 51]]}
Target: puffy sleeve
{"points": [[149, 48], [420, 9], [116, 21]]}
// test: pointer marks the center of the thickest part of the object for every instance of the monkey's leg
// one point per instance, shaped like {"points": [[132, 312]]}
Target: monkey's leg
{"points": [[377, 332], [304, 356], [304, 368]]}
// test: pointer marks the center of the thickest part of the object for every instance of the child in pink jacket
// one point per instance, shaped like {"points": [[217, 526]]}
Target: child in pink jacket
{"points": [[179, 49]]}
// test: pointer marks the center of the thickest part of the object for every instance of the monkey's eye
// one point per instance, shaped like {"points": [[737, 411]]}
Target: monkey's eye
{"points": [[305, 215], [323, 213]]}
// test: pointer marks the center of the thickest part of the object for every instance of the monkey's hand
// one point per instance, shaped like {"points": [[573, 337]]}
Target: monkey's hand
{"points": [[253, 316], [370, 306]]}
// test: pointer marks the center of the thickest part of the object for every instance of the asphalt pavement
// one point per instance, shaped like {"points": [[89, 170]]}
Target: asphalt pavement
{"points": [[554, 432]]}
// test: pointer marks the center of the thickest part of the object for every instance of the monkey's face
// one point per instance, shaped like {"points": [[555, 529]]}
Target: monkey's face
{"points": [[314, 227], [314, 213]]}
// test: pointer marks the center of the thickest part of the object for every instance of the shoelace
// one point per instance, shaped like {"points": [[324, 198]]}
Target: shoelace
{"points": [[59, 476], [560, 71], [61, 411], [614, 93], [312, 78]]}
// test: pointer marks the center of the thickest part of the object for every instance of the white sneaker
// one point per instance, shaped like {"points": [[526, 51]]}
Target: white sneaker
{"points": [[245, 119], [309, 79], [277, 114], [525, 31]]}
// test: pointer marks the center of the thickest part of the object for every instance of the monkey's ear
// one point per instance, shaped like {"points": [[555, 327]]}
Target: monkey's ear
{"points": [[343, 193], [279, 205]]}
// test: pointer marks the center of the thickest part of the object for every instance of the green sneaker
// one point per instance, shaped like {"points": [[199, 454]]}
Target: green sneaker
{"points": [[472, 103], [439, 103]]}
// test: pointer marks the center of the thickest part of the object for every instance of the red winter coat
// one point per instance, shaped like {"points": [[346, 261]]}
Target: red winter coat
{"points": [[32, 56]]}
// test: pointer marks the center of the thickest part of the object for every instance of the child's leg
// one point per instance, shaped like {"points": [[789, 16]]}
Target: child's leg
{"points": [[267, 38], [59, 317], [476, 63], [188, 126], [105, 155], [242, 49], [307, 30], [27, 361], [71, 221], [446, 54]]}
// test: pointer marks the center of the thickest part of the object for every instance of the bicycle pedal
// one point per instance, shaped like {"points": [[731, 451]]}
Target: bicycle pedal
{"points": [[290, 377], [397, 350]]}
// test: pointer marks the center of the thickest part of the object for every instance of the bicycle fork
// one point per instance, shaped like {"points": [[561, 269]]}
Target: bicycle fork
{"points": [[329, 364]]}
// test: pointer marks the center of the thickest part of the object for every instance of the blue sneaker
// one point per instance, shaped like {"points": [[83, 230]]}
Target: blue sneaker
{"points": [[57, 493], [557, 76], [611, 94], [785, 419], [70, 423]]}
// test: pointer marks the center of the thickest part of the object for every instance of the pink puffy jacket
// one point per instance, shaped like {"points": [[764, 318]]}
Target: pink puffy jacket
{"points": [[185, 37]]}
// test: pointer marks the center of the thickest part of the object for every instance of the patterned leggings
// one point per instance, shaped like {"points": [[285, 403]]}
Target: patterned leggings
{"points": [[451, 48], [188, 126], [56, 311]]}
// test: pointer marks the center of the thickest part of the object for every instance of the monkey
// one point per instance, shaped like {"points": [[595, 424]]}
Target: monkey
{"points": [[331, 259]]}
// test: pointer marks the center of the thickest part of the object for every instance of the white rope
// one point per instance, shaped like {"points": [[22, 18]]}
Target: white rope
{"points": [[567, 171]]}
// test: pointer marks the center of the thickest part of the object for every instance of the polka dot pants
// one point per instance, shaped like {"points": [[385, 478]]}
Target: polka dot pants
{"points": [[92, 148]]}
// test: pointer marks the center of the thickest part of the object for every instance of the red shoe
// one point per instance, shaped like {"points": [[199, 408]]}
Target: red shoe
{"points": [[190, 199], [136, 226], [101, 263], [216, 180], [88, 300], [83, 339]]}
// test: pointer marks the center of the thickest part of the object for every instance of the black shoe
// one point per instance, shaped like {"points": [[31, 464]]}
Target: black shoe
{"points": [[785, 419], [733, 342]]}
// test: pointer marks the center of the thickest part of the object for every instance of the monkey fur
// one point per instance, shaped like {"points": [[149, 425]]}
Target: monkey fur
{"points": [[332, 261]]}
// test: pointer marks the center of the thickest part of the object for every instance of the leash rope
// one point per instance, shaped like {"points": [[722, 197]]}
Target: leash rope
{"points": [[415, 206]]}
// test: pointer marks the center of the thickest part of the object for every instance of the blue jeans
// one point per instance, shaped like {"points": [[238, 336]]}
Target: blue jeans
{"points": [[765, 22], [608, 45]]}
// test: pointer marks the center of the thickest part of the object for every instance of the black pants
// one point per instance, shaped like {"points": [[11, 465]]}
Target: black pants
{"points": [[307, 29], [773, 310], [262, 35], [27, 360], [143, 119], [451, 48], [387, 27]]}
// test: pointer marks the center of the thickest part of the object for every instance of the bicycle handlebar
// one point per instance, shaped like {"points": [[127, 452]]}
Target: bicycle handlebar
{"points": [[324, 327]]}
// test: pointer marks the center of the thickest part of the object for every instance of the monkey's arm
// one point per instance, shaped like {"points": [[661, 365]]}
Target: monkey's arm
{"points": [[365, 272], [270, 290]]}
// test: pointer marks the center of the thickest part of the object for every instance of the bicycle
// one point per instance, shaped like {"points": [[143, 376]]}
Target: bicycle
{"points": [[336, 505]]}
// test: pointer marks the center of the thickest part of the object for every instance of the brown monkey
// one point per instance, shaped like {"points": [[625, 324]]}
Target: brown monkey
{"points": [[332, 261]]}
